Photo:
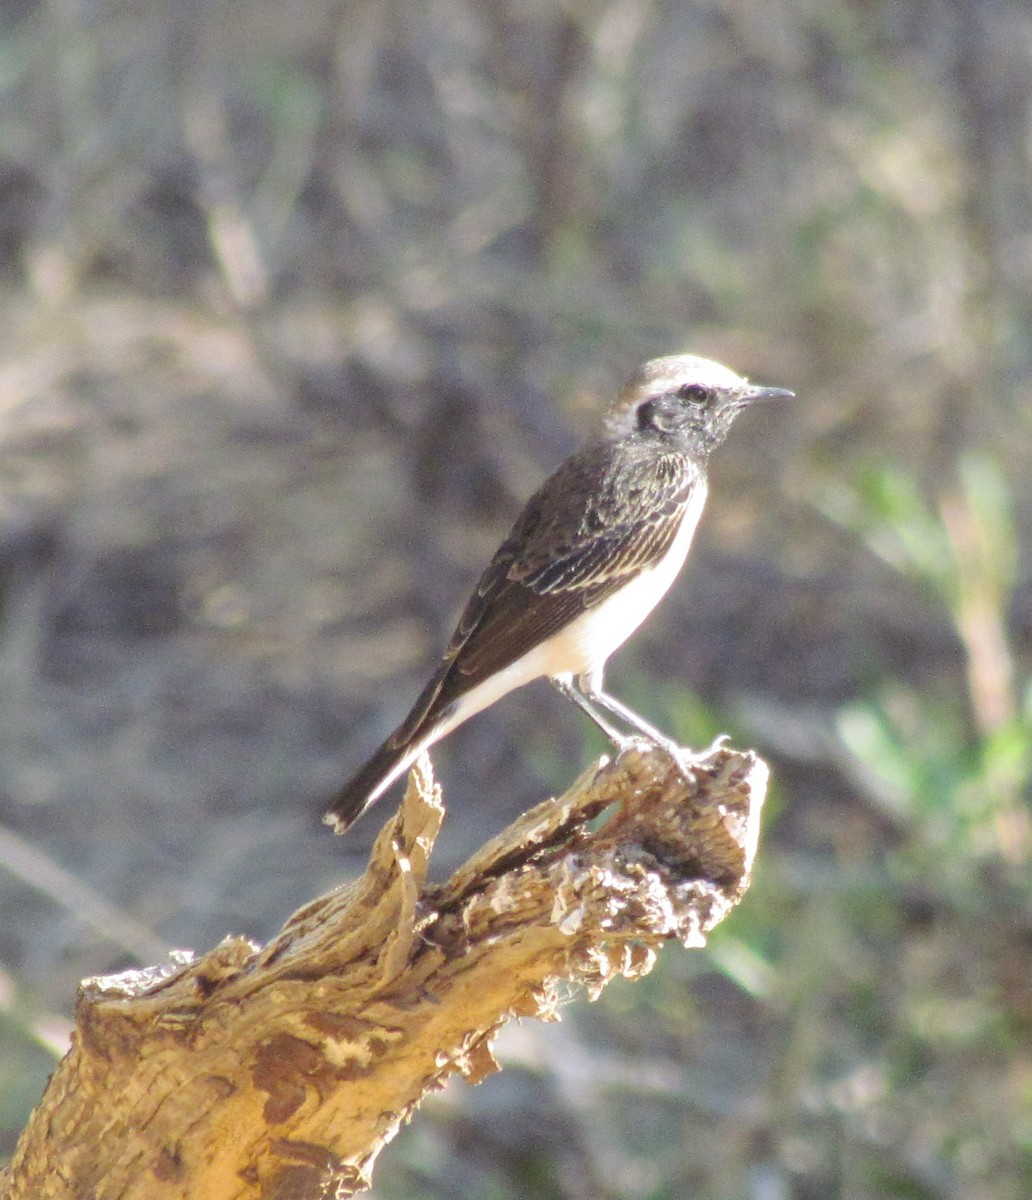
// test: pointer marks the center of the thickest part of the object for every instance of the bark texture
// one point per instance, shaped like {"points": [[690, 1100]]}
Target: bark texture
{"points": [[281, 1071]]}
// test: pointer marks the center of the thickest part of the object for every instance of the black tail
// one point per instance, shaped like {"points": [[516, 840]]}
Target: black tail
{"points": [[370, 782], [427, 721]]}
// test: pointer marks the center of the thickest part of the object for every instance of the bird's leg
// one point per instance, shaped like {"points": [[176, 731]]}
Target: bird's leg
{"points": [[591, 692], [586, 691], [566, 687]]}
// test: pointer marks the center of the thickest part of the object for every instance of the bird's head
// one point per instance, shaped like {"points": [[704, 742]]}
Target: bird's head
{"points": [[685, 399]]}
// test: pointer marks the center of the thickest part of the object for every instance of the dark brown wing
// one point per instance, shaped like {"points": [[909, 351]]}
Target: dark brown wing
{"points": [[607, 512]]}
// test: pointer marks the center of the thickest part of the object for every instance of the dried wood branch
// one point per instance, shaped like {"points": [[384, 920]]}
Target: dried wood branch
{"points": [[282, 1071]]}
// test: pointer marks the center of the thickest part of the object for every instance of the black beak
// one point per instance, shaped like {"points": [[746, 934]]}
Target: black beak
{"points": [[765, 393]]}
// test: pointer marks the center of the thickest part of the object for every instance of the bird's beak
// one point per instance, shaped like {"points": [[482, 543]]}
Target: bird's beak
{"points": [[752, 394]]}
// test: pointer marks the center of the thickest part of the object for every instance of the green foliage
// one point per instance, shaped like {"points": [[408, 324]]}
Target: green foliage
{"points": [[958, 798], [886, 507], [953, 766]]}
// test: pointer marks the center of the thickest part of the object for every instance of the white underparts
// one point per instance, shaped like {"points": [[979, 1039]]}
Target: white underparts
{"points": [[581, 648]]}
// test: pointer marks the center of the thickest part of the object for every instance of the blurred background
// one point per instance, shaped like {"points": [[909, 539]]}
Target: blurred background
{"points": [[299, 302]]}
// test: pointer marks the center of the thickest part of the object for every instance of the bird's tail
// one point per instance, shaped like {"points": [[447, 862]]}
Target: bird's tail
{"points": [[364, 788], [425, 724]]}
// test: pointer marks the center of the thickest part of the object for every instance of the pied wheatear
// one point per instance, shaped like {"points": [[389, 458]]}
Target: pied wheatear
{"points": [[590, 556]]}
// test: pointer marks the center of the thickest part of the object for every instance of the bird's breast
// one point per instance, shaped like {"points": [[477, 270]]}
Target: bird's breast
{"points": [[586, 643]]}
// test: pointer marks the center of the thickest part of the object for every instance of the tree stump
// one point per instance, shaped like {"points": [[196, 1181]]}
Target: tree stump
{"points": [[281, 1071]]}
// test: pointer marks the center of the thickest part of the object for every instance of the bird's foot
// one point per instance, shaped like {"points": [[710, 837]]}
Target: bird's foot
{"points": [[718, 743], [688, 761], [685, 760]]}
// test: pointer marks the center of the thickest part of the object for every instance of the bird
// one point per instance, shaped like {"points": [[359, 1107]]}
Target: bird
{"points": [[591, 554]]}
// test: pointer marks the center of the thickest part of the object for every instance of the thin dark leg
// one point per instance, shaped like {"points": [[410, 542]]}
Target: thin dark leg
{"points": [[590, 696], [572, 692], [615, 708]]}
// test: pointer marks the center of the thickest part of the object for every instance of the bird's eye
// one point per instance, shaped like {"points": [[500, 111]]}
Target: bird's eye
{"points": [[694, 393]]}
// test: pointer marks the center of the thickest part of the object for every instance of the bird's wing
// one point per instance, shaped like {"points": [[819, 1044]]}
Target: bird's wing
{"points": [[588, 530]]}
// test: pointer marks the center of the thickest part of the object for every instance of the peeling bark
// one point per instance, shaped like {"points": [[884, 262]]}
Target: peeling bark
{"points": [[282, 1071]]}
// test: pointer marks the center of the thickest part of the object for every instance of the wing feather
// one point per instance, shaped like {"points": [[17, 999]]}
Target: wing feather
{"points": [[606, 513]]}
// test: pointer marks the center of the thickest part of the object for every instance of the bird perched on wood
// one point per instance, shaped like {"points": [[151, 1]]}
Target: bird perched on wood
{"points": [[590, 556]]}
